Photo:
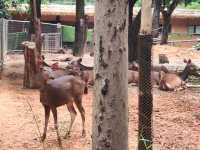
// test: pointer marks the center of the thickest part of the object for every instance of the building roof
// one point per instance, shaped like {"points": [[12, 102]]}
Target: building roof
{"points": [[186, 13], [67, 13]]}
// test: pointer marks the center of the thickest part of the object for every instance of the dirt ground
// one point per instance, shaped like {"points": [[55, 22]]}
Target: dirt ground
{"points": [[176, 115]]}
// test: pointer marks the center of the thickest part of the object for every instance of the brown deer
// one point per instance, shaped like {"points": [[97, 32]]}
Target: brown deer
{"points": [[63, 90], [133, 77], [173, 82], [57, 89], [135, 67], [85, 72]]}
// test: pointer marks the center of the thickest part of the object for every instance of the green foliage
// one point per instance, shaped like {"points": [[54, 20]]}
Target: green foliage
{"points": [[3, 9], [138, 3], [179, 36], [193, 5]]}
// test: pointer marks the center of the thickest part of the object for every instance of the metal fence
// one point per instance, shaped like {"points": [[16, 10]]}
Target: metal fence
{"points": [[14, 32], [51, 42], [3, 39]]}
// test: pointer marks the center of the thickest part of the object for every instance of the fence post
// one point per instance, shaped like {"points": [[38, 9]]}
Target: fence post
{"points": [[5, 36]]}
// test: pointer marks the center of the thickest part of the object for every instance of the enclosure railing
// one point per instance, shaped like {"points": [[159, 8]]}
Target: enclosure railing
{"points": [[14, 32]]}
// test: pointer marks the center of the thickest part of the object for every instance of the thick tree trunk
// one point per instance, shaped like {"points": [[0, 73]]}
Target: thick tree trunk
{"points": [[80, 28], [156, 17], [145, 87], [166, 27], [31, 67], [110, 108]]}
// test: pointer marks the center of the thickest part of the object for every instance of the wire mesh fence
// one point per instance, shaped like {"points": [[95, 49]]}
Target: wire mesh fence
{"points": [[51, 42], [14, 32]]}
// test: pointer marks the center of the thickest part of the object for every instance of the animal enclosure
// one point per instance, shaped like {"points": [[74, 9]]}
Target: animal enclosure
{"points": [[176, 115]]}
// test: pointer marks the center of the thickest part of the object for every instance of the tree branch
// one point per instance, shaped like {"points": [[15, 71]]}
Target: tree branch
{"points": [[173, 5]]}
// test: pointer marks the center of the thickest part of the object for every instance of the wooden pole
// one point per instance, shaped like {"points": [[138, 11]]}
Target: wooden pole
{"points": [[145, 87]]}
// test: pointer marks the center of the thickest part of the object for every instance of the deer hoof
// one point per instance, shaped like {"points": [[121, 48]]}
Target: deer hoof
{"points": [[59, 141], [83, 133], [67, 135], [43, 137]]}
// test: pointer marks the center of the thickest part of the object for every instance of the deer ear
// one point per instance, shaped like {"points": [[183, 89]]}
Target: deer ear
{"points": [[42, 57], [79, 60], [189, 61], [185, 60]]}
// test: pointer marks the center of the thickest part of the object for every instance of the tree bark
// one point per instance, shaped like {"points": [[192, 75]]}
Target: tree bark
{"points": [[31, 27], [156, 17], [80, 28], [166, 26], [37, 25], [166, 13], [38, 10], [110, 108], [31, 67], [133, 38], [133, 30], [145, 87]]}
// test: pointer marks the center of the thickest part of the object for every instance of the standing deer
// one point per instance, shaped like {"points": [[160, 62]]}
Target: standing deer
{"points": [[65, 90], [172, 81], [57, 89]]}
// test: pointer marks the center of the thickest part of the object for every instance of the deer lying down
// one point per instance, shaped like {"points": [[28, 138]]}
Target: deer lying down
{"points": [[174, 82], [135, 67], [133, 77]]}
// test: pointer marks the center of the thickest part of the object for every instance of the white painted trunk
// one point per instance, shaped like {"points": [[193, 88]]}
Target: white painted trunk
{"points": [[146, 19], [110, 106]]}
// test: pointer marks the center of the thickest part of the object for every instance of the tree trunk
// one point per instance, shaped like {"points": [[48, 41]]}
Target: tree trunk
{"points": [[31, 67], [38, 38], [38, 10], [156, 17], [80, 28], [133, 38], [133, 30], [110, 107], [166, 26], [31, 27], [145, 87]]}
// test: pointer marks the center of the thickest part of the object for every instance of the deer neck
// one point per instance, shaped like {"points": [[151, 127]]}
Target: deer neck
{"points": [[184, 74]]}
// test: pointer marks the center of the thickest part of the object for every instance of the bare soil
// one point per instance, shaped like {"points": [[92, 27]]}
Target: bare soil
{"points": [[176, 115]]}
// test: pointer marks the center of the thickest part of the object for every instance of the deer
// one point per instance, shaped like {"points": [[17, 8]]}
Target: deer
{"points": [[85, 72], [133, 77], [66, 90], [58, 89], [175, 82], [135, 67]]}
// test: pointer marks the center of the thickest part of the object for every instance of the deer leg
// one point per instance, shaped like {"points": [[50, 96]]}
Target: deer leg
{"points": [[47, 113], [73, 116], [54, 111], [79, 105]]}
